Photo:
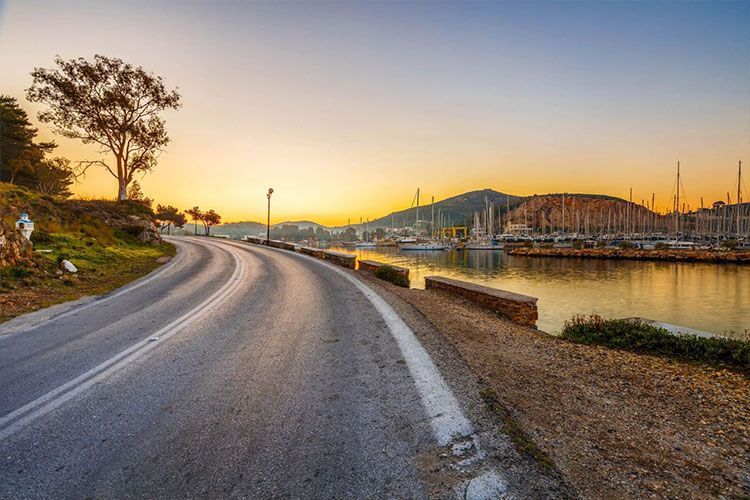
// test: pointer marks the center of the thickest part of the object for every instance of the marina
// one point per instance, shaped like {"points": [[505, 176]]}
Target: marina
{"points": [[712, 298]]}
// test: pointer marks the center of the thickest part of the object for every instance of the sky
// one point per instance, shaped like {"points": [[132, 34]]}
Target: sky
{"points": [[346, 108]]}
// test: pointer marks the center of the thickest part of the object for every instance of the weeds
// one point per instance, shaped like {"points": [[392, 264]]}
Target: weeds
{"points": [[636, 336], [388, 273]]}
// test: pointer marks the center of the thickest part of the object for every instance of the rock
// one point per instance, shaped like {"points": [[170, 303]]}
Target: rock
{"points": [[14, 248], [68, 266]]}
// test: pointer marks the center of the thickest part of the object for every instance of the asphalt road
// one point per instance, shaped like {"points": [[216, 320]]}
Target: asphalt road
{"points": [[234, 371]]}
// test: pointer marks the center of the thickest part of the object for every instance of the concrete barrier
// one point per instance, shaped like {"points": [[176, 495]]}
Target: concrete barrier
{"points": [[372, 266], [313, 252], [342, 259], [518, 308]]}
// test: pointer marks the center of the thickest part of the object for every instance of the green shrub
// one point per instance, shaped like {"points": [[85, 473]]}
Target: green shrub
{"points": [[390, 274], [661, 246], [730, 244], [640, 337], [625, 245], [601, 243], [39, 237], [577, 244], [14, 272]]}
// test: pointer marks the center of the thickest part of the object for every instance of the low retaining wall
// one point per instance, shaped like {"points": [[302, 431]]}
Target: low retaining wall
{"points": [[342, 259], [255, 240], [284, 245], [313, 252], [372, 266], [518, 308]]}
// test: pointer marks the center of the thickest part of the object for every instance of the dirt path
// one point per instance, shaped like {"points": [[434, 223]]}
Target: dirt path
{"points": [[616, 424]]}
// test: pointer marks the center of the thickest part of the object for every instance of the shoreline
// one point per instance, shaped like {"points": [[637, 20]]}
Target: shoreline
{"points": [[612, 422], [707, 256]]}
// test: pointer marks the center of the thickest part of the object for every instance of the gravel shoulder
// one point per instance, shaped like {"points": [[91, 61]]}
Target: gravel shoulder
{"points": [[612, 423]]}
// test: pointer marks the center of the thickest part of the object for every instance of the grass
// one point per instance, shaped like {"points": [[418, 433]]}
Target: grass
{"points": [[640, 337], [388, 273], [101, 268], [76, 230]]}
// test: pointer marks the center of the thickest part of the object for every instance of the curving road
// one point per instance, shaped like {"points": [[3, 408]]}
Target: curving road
{"points": [[232, 371]]}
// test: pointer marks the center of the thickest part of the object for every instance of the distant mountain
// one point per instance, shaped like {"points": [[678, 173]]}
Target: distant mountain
{"points": [[454, 210], [238, 229], [582, 211]]}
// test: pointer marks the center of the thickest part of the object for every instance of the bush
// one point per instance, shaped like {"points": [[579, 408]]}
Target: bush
{"points": [[577, 244], [661, 246], [14, 272], [730, 244], [625, 245], [390, 274], [640, 337], [39, 237]]}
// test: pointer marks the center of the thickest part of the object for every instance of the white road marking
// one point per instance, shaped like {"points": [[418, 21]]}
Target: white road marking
{"points": [[447, 420], [17, 419], [177, 259]]}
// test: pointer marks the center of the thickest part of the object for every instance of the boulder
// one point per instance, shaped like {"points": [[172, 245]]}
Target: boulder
{"points": [[14, 248]]}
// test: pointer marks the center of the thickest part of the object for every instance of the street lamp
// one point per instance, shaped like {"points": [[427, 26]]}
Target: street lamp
{"points": [[268, 222]]}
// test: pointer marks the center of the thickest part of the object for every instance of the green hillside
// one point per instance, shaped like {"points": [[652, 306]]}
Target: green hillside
{"points": [[455, 210], [111, 243]]}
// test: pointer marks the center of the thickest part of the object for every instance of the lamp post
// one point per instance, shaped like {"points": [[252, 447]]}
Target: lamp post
{"points": [[268, 221]]}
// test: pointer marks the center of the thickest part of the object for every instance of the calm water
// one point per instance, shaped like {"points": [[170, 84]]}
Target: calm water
{"points": [[709, 297]]}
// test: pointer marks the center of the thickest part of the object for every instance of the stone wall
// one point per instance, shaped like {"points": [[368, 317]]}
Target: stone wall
{"points": [[342, 259], [372, 266], [518, 308], [313, 252], [14, 248], [284, 245]]}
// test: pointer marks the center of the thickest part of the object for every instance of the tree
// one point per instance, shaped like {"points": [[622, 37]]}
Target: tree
{"points": [[195, 214], [379, 233], [168, 216], [20, 156], [210, 219], [111, 104], [54, 176], [135, 193]]}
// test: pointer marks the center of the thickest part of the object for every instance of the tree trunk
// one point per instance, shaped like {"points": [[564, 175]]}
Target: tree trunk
{"points": [[122, 193]]}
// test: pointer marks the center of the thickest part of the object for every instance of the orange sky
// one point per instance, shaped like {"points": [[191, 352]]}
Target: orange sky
{"points": [[346, 109]]}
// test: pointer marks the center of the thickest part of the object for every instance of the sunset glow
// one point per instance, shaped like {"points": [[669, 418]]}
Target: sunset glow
{"points": [[346, 108]]}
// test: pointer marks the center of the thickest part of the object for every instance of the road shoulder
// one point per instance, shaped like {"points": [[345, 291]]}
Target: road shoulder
{"points": [[613, 423]]}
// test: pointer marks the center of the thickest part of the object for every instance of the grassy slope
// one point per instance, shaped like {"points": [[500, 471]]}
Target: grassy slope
{"points": [[72, 229]]}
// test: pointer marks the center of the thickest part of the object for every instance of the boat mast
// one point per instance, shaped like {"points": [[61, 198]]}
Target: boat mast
{"points": [[677, 204], [563, 213], [416, 223], [739, 196], [432, 216]]}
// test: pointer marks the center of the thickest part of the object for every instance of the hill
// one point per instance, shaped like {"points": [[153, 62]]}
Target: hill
{"points": [[582, 211], [111, 243], [454, 210]]}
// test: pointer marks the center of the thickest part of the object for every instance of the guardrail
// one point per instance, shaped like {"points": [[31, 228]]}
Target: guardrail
{"points": [[518, 308]]}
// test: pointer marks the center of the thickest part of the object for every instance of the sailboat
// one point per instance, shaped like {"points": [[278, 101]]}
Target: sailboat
{"points": [[481, 237], [429, 245], [367, 243]]}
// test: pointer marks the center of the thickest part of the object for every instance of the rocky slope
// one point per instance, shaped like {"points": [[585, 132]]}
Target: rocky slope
{"points": [[582, 211]]}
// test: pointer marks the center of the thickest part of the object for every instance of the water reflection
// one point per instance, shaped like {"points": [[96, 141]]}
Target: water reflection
{"points": [[709, 297]]}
